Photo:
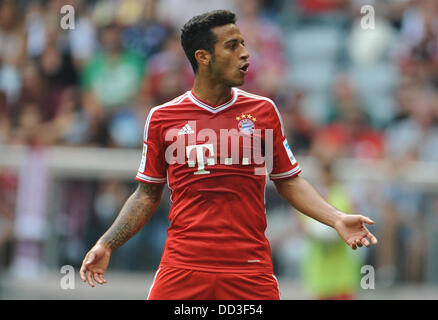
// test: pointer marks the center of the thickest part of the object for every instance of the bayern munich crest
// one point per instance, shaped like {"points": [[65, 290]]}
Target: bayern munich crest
{"points": [[246, 123]]}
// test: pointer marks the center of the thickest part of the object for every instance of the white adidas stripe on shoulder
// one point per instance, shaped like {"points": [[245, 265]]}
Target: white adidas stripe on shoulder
{"points": [[255, 96]]}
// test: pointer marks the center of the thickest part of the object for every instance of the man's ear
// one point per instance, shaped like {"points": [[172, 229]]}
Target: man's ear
{"points": [[203, 57]]}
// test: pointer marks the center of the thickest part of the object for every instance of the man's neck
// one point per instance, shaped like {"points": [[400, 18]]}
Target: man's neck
{"points": [[212, 93]]}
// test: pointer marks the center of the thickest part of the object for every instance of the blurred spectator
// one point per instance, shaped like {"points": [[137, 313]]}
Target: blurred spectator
{"points": [[12, 48], [28, 126], [264, 40], [35, 28], [415, 137], [348, 133], [44, 115], [419, 40], [169, 73], [402, 225], [419, 28], [300, 130], [71, 124], [110, 81], [35, 105], [330, 270], [12, 34], [56, 62], [404, 95], [147, 34], [83, 38]]}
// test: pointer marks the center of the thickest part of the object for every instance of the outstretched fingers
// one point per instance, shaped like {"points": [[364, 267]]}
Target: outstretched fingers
{"points": [[99, 278], [372, 238], [354, 244], [365, 242], [358, 243], [366, 220], [364, 237], [83, 273], [90, 279]]}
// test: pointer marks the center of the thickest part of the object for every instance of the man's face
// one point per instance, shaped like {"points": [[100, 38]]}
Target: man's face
{"points": [[230, 59], [111, 39]]}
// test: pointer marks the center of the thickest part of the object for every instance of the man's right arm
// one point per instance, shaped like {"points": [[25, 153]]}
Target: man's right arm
{"points": [[136, 211]]}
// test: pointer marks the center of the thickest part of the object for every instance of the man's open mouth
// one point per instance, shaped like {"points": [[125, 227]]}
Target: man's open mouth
{"points": [[244, 68]]}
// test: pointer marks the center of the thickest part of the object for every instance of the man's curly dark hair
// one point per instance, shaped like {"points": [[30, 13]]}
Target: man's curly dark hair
{"points": [[196, 34]]}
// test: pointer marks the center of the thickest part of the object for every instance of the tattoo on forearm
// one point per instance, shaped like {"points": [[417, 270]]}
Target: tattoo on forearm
{"points": [[152, 191], [137, 210]]}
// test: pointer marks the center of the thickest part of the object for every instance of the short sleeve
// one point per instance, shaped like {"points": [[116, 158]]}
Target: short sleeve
{"points": [[153, 165], [284, 163]]}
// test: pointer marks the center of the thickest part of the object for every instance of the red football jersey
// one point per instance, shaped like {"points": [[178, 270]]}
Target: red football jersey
{"points": [[215, 160]]}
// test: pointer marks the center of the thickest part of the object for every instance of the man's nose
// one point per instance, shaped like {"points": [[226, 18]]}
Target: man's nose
{"points": [[245, 54]]}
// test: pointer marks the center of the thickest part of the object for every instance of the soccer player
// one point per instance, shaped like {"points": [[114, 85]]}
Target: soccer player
{"points": [[206, 145]]}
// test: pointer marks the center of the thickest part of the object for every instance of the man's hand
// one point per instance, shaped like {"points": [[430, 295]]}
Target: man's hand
{"points": [[352, 230], [95, 264]]}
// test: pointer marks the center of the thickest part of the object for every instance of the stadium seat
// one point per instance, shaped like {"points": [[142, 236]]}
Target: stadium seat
{"points": [[314, 43], [314, 76], [374, 79]]}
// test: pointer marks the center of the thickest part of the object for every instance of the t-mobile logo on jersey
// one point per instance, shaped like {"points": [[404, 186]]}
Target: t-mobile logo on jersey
{"points": [[205, 154], [200, 157]]}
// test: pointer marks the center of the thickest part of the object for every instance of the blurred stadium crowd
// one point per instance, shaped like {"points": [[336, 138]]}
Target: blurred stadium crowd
{"points": [[343, 91]]}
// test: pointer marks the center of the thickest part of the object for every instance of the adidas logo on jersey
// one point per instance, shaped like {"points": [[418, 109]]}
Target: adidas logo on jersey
{"points": [[186, 130]]}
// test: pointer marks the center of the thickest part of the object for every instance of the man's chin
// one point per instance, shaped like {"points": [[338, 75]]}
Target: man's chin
{"points": [[239, 83]]}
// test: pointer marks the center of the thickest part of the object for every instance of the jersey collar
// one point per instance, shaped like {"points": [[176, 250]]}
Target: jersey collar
{"points": [[213, 109]]}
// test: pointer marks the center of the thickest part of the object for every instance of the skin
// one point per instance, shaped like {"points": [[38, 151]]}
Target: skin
{"points": [[304, 197], [217, 73], [136, 211]]}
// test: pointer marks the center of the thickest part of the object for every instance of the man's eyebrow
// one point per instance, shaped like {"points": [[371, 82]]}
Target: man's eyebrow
{"points": [[234, 40]]}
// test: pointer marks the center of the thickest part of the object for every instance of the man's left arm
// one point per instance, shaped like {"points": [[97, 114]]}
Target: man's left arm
{"points": [[306, 199]]}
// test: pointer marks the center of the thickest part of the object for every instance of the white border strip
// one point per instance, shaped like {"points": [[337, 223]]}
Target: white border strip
{"points": [[278, 287], [153, 282], [292, 172], [150, 179]]}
